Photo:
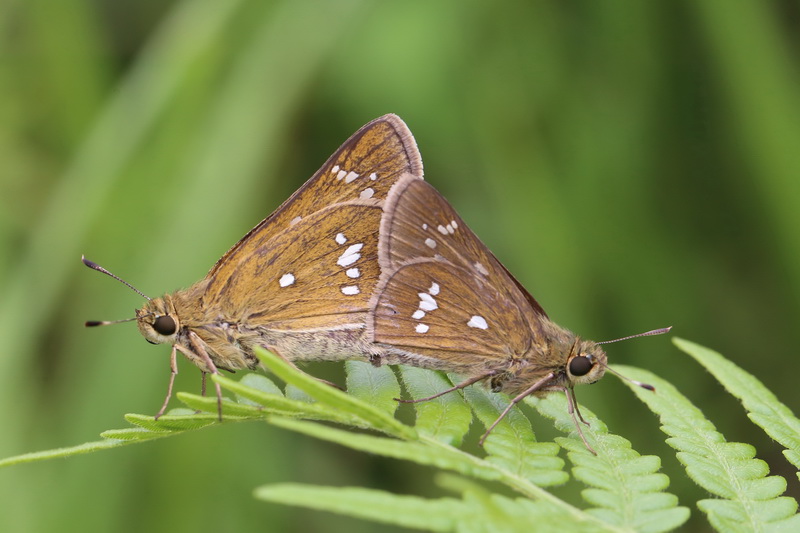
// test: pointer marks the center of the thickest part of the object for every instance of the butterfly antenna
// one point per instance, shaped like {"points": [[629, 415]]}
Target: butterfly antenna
{"points": [[93, 323], [645, 334], [95, 266], [626, 378]]}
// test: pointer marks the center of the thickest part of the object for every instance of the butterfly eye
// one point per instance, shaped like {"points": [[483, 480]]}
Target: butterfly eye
{"points": [[165, 325], [580, 365]]}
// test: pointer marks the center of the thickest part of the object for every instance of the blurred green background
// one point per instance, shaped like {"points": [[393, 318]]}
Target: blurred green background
{"points": [[635, 164]]}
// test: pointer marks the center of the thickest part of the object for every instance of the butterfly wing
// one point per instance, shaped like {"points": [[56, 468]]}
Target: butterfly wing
{"points": [[366, 166], [317, 274], [313, 262], [442, 294]]}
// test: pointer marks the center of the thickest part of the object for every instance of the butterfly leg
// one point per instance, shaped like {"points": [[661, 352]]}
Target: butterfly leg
{"points": [[539, 385], [200, 351], [573, 408], [574, 401], [460, 386], [203, 376], [173, 364]]}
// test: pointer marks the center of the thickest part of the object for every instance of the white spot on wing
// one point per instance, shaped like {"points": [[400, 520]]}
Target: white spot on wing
{"points": [[335, 169], [424, 226], [295, 220], [418, 314], [454, 224], [373, 176], [350, 290], [340, 238], [351, 176], [430, 243], [480, 268], [434, 290], [286, 280], [353, 273], [422, 328], [478, 322], [367, 193], [426, 302], [350, 255], [341, 174], [442, 229]]}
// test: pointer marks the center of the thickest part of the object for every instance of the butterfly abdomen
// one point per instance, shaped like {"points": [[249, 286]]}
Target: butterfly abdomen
{"points": [[342, 343]]}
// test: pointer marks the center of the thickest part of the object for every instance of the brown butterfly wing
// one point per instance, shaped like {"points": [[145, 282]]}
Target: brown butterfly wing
{"points": [[362, 170], [316, 274], [367, 165], [442, 293]]}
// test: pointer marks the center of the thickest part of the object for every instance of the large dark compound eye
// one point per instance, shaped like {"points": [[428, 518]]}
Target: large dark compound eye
{"points": [[165, 325], [580, 365]]}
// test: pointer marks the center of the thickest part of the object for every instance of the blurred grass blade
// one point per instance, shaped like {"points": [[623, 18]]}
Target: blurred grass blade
{"points": [[41, 272]]}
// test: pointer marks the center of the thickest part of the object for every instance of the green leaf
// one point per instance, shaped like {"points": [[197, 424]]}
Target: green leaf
{"points": [[433, 452], [764, 409], [66, 452], [134, 434], [489, 512], [230, 410], [260, 383], [266, 401], [170, 422], [446, 418], [478, 511], [375, 385], [512, 444], [405, 511], [373, 416], [425, 453], [749, 499], [626, 488]]}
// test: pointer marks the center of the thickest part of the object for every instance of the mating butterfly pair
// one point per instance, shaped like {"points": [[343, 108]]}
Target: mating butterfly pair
{"points": [[368, 261]]}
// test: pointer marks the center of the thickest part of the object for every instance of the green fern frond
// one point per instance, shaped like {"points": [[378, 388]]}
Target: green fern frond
{"points": [[625, 491], [372, 416], [763, 408], [441, 514], [514, 458], [748, 499], [626, 488], [374, 385], [426, 453], [512, 444], [478, 511], [446, 418]]}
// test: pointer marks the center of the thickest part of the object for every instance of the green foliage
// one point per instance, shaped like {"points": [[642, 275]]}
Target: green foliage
{"points": [[763, 408], [747, 498], [503, 486]]}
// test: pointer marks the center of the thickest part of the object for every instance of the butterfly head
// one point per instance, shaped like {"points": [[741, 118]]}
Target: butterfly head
{"points": [[158, 322], [570, 362], [586, 364]]}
